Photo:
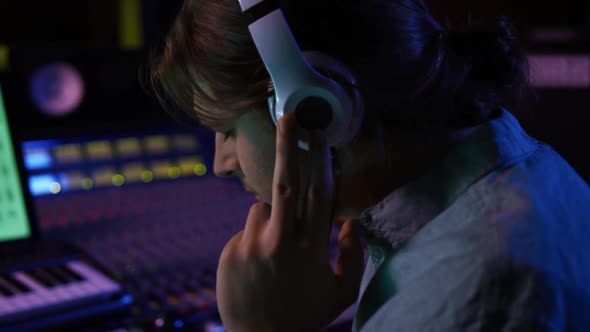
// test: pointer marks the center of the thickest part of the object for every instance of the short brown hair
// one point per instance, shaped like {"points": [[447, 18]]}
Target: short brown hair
{"points": [[410, 69]]}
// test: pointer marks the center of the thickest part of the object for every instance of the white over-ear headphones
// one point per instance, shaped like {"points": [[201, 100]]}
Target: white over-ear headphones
{"points": [[317, 101]]}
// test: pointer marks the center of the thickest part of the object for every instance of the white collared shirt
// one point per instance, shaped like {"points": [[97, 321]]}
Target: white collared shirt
{"points": [[495, 238]]}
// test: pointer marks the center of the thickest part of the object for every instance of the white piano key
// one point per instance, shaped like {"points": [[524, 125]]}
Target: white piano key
{"points": [[44, 293], [76, 290], [3, 304], [94, 286], [88, 289], [94, 276], [19, 303], [7, 310], [68, 294], [33, 300], [59, 294], [30, 282]]}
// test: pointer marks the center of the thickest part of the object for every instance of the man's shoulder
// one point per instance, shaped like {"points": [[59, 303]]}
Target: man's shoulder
{"points": [[540, 188]]}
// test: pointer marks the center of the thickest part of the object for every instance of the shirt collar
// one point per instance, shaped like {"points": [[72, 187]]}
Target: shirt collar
{"points": [[495, 144]]}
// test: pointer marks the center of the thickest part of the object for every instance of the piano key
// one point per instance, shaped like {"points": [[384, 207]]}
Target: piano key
{"points": [[37, 288], [5, 307], [49, 276], [18, 303], [33, 300], [41, 278], [89, 286], [15, 283], [58, 275], [52, 295], [95, 277], [5, 290], [66, 270]]}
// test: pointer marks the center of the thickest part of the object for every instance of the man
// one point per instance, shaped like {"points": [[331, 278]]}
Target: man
{"points": [[471, 224]]}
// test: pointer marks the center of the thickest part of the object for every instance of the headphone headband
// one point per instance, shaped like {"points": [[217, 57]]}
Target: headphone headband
{"points": [[316, 100]]}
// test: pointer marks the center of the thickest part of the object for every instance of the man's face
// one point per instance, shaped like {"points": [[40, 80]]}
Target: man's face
{"points": [[248, 152]]}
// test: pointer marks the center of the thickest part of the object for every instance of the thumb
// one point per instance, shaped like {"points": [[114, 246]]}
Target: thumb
{"points": [[349, 264]]}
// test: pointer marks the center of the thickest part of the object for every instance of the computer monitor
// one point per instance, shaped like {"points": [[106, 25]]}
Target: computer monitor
{"points": [[15, 217]]}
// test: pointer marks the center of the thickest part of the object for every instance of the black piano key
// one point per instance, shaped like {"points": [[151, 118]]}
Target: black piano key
{"points": [[73, 274], [58, 275], [5, 289], [16, 283], [43, 278], [45, 273]]}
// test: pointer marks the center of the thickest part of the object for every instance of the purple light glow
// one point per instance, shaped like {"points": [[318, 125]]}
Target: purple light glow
{"points": [[560, 71], [57, 89]]}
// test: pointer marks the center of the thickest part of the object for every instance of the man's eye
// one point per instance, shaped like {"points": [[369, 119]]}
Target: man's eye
{"points": [[227, 134]]}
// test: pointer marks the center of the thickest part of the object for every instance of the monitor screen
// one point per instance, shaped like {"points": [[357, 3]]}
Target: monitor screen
{"points": [[14, 222]]}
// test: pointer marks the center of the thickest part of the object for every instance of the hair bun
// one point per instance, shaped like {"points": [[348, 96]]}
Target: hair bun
{"points": [[491, 49]]}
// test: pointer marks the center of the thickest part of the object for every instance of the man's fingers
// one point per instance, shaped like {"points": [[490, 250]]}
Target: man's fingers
{"points": [[320, 194], [258, 216], [349, 264], [285, 181]]}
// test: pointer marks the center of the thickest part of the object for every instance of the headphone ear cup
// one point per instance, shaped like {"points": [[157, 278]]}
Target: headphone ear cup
{"points": [[341, 75]]}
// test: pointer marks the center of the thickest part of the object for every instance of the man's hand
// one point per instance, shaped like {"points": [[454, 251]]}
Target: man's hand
{"points": [[275, 275]]}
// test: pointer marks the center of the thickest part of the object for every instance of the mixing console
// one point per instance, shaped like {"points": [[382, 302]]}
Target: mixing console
{"points": [[162, 244]]}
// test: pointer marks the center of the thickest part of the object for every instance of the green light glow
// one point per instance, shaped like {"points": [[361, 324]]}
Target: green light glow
{"points": [[14, 223]]}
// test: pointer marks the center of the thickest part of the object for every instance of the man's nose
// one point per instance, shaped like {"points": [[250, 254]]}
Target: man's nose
{"points": [[222, 172]]}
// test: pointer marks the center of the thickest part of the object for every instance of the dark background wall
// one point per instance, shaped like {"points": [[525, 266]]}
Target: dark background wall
{"points": [[95, 21], [46, 29]]}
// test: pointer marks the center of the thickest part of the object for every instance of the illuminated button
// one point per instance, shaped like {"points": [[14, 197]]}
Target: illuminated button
{"points": [[68, 153], [186, 143], [128, 147], [37, 158], [55, 187], [99, 150], [118, 180], [147, 176], [160, 169], [103, 176], [156, 144], [71, 181], [132, 172], [174, 172], [187, 164], [41, 184], [159, 322], [87, 183], [172, 299], [200, 169]]}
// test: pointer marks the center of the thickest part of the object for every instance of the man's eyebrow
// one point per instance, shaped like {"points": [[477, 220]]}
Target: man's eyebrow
{"points": [[221, 127]]}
